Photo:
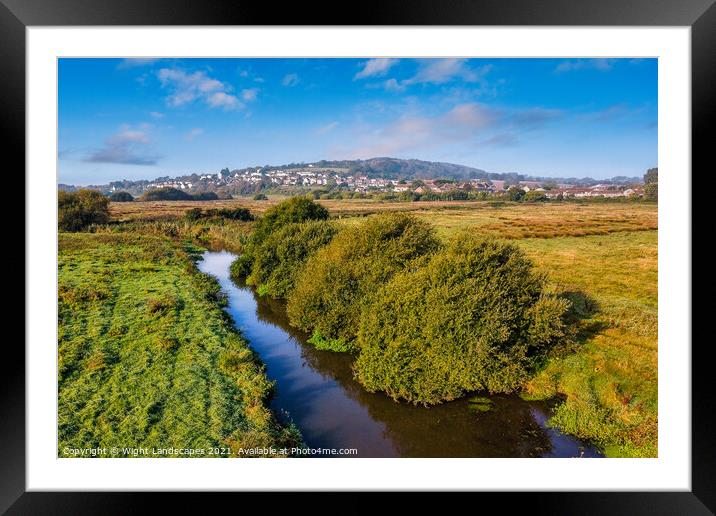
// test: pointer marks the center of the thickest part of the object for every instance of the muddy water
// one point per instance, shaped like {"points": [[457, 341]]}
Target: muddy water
{"points": [[316, 389]]}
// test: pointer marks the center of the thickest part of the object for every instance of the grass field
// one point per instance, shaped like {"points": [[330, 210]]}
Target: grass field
{"points": [[508, 220], [147, 357], [603, 256], [610, 381]]}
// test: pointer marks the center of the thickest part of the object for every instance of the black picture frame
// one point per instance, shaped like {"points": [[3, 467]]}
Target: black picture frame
{"points": [[16, 15]]}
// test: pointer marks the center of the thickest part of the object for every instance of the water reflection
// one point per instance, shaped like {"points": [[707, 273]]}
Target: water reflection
{"points": [[333, 411]]}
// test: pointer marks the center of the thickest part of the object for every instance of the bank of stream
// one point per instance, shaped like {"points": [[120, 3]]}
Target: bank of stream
{"points": [[317, 391]]}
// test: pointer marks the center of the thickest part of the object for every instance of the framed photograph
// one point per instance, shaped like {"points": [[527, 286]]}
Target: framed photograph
{"points": [[418, 250]]}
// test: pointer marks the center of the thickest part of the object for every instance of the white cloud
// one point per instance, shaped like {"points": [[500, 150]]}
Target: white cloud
{"points": [[249, 94], [188, 87], [126, 147], [472, 115], [464, 123], [413, 132], [156, 115], [197, 131], [501, 140], [223, 100], [440, 71], [327, 128], [290, 79], [375, 68], [535, 117], [127, 135], [393, 85], [585, 64], [134, 62]]}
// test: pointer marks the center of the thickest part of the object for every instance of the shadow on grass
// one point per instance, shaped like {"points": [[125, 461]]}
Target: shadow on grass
{"points": [[581, 313]]}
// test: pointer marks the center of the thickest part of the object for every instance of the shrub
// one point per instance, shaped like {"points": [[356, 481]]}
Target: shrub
{"points": [[515, 194], [193, 214], [121, 197], [205, 196], [166, 194], [281, 257], [651, 191], [241, 214], [535, 196], [474, 317], [77, 210], [339, 279], [290, 211], [295, 209], [260, 197]]}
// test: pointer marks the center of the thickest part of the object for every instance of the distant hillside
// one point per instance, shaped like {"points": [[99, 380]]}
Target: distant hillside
{"points": [[385, 168], [393, 168]]}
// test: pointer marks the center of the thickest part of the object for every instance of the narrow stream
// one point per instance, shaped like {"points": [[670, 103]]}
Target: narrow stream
{"points": [[316, 388]]}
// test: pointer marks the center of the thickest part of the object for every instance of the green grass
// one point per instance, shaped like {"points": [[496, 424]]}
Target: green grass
{"points": [[226, 234], [147, 357], [328, 344], [609, 381]]}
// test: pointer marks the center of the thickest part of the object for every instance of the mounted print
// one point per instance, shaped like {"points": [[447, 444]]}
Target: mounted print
{"points": [[417, 257], [357, 257]]}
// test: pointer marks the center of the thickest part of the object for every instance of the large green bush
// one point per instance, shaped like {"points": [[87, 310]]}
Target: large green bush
{"points": [[282, 256], [337, 281], [290, 211], [121, 197], [166, 194], [205, 196], [77, 210], [474, 317], [241, 214]]}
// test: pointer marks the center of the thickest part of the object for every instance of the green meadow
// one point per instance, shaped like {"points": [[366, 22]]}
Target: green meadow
{"points": [[148, 358]]}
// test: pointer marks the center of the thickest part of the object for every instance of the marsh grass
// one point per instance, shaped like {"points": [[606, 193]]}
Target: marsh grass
{"points": [[609, 382], [147, 357]]}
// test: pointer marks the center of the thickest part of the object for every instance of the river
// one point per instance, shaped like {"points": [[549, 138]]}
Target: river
{"points": [[317, 391]]}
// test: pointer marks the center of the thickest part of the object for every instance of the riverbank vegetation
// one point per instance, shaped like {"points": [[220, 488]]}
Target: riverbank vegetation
{"points": [[279, 260], [474, 317], [338, 281], [293, 211], [78, 210], [597, 270], [428, 322], [587, 334], [148, 358]]}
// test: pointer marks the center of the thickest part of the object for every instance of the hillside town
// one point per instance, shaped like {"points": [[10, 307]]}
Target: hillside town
{"points": [[314, 177]]}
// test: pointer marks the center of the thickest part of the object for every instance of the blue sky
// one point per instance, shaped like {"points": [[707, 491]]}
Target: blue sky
{"points": [[145, 118]]}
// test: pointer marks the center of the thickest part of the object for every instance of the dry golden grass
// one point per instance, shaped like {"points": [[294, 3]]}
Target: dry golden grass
{"points": [[610, 381], [170, 210], [509, 220], [517, 221], [166, 210], [521, 220]]}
